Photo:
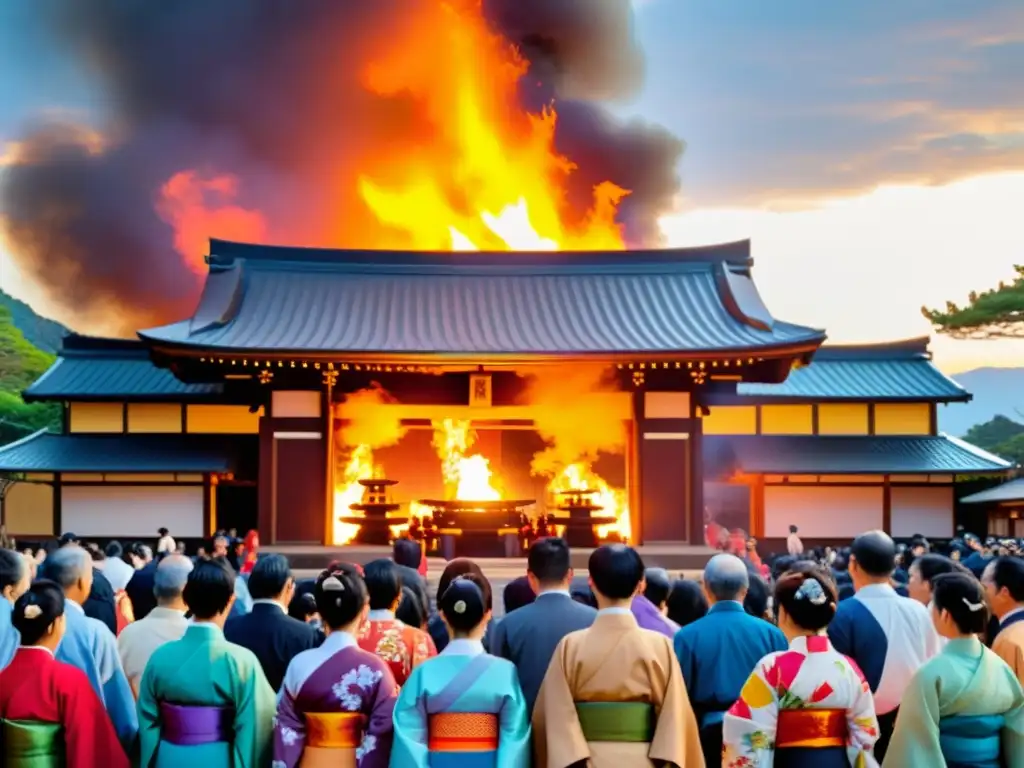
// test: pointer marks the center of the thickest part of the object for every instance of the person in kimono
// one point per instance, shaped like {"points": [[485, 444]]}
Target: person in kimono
{"points": [[401, 647], [436, 627], [465, 707], [204, 701], [806, 706], [964, 707], [613, 694], [89, 645], [49, 713], [336, 701], [15, 577], [1003, 580]]}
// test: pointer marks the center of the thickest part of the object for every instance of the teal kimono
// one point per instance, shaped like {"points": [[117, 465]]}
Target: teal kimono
{"points": [[963, 708], [462, 709], [205, 702]]}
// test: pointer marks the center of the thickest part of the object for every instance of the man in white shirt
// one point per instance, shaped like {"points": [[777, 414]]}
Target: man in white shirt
{"points": [[166, 622], [794, 546]]}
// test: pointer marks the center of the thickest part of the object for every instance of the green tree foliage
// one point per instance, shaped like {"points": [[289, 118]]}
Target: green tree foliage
{"points": [[1001, 436], [20, 365], [994, 314], [40, 332]]}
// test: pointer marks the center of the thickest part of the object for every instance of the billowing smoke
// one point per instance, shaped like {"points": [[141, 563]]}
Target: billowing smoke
{"points": [[370, 419], [253, 120]]}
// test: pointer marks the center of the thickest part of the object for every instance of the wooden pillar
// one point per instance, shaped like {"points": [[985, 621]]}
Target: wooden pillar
{"points": [[887, 505], [664, 482], [695, 477], [330, 377], [266, 489]]}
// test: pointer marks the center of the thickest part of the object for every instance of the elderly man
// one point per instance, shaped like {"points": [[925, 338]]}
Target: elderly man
{"points": [[717, 653], [14, 580], [1004, 586], [164, 623], [88, 644]]}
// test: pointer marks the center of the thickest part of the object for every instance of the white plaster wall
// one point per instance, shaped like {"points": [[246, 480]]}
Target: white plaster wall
{"points": [[117, 511], [928, 511], [821, 511]]}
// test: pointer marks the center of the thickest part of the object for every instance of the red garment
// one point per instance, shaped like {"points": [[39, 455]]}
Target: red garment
{"points": [[123, 612], [250, 548], [37, 687], [398, 645]]}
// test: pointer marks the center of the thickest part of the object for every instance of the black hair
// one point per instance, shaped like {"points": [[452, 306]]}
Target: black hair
{"points": [[465, 602], [932, 565], [686, 602], [549, 560], [340, 596], [407, 552], [383, 584], [460, 566], [809, 596], [302, 606], [793, 529], [581, 592], [875, 553], [658, 585], [269, 576], [1006, 572], [209, 589], [517, 593], [48, 597], [963, 597], [162, 531], [13, 567], [755, 602], [781, 564], [616, 571], [409, 610], [114, 550]]}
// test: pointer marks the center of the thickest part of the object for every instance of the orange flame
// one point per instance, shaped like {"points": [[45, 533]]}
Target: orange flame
{"points": [[581, 477], [348, 491], [467, 478]]}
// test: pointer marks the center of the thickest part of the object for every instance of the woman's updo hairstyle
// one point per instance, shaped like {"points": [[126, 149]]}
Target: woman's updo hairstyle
{"points": [[808, 594], [963, 597], [36, 610], [465, 602], [340, 595]]}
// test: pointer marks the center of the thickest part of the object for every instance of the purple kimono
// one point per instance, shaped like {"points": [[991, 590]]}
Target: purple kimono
{"points": [[338, 678], [648, 616]]}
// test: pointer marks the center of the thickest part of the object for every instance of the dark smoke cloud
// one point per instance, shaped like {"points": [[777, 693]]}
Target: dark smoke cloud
{"points": [[270, 93]]}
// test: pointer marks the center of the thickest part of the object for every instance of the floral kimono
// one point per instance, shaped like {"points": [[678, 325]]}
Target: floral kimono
{"points": [[398, 645], [808, 706]]}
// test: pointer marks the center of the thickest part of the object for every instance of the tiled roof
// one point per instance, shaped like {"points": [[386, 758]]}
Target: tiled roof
{"points": [[46, 452], [92, 368], [832, 455], [293, 300], [896, 371], [1011, 491]]}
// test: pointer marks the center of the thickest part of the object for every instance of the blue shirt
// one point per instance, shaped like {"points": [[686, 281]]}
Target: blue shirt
{"points": [[718, 652], [9, 637]]}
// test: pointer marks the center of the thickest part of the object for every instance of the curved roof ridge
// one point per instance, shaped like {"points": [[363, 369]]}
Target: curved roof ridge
{"points": [[916, 346]]}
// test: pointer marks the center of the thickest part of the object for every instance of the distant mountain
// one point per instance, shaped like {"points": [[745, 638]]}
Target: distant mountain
{"points": [[38, 331], [997, 392]]}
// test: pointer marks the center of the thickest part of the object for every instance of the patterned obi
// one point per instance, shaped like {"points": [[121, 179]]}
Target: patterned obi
{"points": [[972, 740], [193, 726], [626, 721], [31, 744], [811, 728]]}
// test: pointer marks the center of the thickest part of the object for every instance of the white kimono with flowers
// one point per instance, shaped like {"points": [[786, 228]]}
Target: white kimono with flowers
{"points": [[810, 675]]}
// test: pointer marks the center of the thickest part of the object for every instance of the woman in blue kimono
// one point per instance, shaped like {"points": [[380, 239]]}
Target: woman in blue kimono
{"points": [[964, 708], [464, 707]]}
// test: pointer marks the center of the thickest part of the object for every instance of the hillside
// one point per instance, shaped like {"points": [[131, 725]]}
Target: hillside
{"points": [[997, 391], [38, 331], [20, 364]]}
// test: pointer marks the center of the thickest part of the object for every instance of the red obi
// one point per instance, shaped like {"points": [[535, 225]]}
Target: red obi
{"points": [[811, 728]]}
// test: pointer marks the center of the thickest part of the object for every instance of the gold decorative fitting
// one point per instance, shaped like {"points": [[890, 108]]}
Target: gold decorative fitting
{"points": [[316, 366], [725, 363], [330, 378], [202, 359], [330, 366], [619, 366], [292, 364], [266, 377], [702, 365], [305, 364], [233, 361], [631, 366], [344, 366], [245, 363], [638, 378], [678, 365]]}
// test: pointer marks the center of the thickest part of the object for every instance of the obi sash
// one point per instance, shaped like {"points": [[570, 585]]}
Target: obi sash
{"points": [[461, 739], [811, 728], [192, 726], [335, 730], [972, 740], [32, 744], [626, 721]]}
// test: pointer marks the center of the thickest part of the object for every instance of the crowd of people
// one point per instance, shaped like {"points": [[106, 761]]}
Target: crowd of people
{"points": [[869, 655]]}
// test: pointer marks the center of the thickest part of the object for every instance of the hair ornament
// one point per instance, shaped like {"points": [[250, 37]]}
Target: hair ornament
{"points": [[811, 591], [973, 607], [459, 607], [332, 584], [33, 611]]}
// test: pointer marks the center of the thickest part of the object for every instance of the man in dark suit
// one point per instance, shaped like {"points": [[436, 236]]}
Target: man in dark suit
{"points": [[140, 586], [268, 631], [407, 555], [529, 635]]}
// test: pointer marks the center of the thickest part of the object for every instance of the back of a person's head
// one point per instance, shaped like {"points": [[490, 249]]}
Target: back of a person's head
{"points": [[270, 576], [466, 602], [874, 553], [780, 565], [407, 552], [67, 566], [686, 602], [302, 606], [963, 598], [517, 593], [1008, 573], [658, 584], [114, 550], [383, 583], [460, 566], [793, 529], [931, 565], [580, 591], [616, 571], [755, 601], [809, 597], [726, 577], [549, 560], [171, 576], [341, 597], [409, 610], [13, 568], [34, 612], [209, 588]]}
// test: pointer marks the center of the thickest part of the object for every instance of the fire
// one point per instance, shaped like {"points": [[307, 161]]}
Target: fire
{"points": [[488, 176], [466, 478], [580, 476], [359, 466]]}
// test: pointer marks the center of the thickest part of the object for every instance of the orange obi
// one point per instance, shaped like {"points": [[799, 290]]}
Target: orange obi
{"points": [[463, 732], [811, 728], [336, 730]]}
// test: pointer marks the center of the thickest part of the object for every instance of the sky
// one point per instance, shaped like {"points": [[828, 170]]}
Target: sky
{"points": [[873, 151]]}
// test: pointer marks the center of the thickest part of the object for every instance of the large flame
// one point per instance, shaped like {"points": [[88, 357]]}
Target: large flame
{"points": [[581, 477], [466, 478], [349, 491], [488, 176]]}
